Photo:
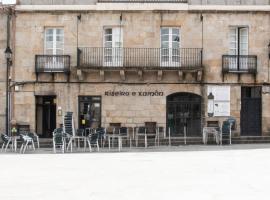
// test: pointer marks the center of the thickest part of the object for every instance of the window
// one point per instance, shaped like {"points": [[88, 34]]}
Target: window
{"points": [[221, 105], [54, 41], [170, 44], [238, 48], [89, 111], [238, 41], [113, 43]]}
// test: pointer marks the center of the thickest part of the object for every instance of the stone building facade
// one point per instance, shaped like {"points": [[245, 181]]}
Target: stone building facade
{"points": [[5, 11], [135, 63], [2, 69]]}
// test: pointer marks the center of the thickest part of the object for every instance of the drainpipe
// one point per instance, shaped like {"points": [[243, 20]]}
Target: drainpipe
{"points": [[8, 60]]}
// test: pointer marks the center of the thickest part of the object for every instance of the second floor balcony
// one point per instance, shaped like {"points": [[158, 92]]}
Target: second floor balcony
{"points": [[140, 58], [162, 60], [239, 64], [52, 64]]}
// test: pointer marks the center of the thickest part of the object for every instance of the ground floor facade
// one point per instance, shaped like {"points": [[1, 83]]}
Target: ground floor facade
{"points": [[178, 107]]}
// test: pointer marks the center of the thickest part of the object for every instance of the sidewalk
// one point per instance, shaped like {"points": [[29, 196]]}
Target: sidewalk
{"points": [[180, 148]]}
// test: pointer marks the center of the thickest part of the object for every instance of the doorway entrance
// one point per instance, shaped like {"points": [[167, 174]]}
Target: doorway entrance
{"points": [[89, 112], [251, 111], [184, 114], [45, 115]]}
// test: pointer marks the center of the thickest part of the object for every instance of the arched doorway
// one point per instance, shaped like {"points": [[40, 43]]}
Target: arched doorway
{"points": [[184, 113]]}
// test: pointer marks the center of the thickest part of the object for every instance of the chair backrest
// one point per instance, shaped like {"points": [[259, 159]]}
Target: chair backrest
{"points": [[80, 132], [113, 128], [93, 137], [58, 130], [32, 135], [101, 132], [232, 121], [226, 127], [23, 138], [89, 131], [123, 131], [151, 127], [5, 138], [116, 130], [58, 138], [213, 124], [141, 130], [110, 130]]}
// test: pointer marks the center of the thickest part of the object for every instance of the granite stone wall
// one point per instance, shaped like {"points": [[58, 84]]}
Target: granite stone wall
{"points": [[140, 30]]}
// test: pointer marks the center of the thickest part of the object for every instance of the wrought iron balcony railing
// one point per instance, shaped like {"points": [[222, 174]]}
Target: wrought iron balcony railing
{"points": [[144, 58], [52, 63], [143, 1], [239, 64]]}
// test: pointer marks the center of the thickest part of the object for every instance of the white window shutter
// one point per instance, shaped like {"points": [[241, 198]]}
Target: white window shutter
{"points": [[243, 41], [54, 41], [233, 41]]}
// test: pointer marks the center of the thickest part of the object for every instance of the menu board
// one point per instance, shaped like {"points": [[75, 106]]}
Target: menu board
{"points": [[221, 109], [221, 100]]}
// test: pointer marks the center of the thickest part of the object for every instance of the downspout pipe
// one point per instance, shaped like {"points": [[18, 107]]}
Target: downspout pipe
{"points": [[7, 73]]}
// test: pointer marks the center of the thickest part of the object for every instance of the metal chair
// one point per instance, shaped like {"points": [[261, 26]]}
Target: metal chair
{"points": [[6, 142], [59, 140], [35, 137], [151, 131], [124, 133], [101, 132], [26, 140], [212, 129], [92, 140], [226, 132], [160, 134], [141, 132]]}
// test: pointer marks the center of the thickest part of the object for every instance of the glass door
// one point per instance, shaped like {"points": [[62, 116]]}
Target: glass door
{"points": [[170, 47], [89, 112], [113, 47], [54, 46], [239, 48]]}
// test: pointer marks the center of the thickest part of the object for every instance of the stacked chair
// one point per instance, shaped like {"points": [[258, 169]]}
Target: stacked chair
{"points": [[68, 129], [68, 124]]}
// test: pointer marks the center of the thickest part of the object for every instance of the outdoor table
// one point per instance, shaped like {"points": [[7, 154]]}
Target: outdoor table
{"points": [[78, 138], [210, 131], [112, 136]]}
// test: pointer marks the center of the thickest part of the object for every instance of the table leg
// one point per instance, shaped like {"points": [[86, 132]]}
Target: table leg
{"points": [[119, 143], [15, 145], [109, 141], [84, 144]]}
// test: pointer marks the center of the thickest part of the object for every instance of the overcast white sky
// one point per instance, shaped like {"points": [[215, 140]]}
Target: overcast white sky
{"points": [[8, 1]]}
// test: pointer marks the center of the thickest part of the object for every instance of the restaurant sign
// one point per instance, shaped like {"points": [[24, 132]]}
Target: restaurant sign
{"points": [[127, 93]]}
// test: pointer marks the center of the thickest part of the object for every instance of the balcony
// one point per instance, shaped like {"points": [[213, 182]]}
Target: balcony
{"points": [[239, 64], [52, 64], [183, 60], [142, 1]]}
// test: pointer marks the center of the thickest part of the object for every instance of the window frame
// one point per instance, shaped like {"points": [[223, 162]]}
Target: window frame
{"points": [[54, 41], [237, 49]]}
